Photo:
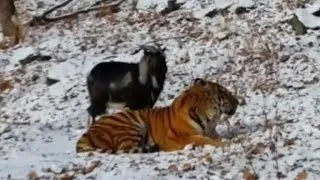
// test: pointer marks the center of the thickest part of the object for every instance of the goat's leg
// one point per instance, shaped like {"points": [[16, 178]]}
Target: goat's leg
{"points": [[96, 108]]}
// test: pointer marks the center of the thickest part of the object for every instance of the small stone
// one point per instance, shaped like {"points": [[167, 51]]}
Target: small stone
{"points": [[298, 26], [40, 4], [190, 156], [206, 158], [35, 77], [284, 58], [83, 48], [50, 81], [188, 167], [173, 168], [212, 13]]}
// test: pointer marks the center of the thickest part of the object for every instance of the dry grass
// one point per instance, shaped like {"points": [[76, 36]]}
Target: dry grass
{"points": [[5, 85], [293, 4]]}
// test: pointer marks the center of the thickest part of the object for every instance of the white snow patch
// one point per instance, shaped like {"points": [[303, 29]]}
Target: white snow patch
{"points": [[222, 4], [18, 55], [157, 5], [307, 18]]}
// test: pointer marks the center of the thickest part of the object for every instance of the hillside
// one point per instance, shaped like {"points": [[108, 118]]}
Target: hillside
{"points": [[248, 46]]}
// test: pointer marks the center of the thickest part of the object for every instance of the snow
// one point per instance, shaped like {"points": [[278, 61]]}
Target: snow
{"points": [[21, 54], [40, 124], [218, 5], [157, 5], [307, 18]]}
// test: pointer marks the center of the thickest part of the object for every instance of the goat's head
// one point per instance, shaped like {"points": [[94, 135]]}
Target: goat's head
{"points": [[153, 65]]}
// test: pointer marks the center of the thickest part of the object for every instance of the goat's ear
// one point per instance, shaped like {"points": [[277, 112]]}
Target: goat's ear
{"points": [[136, 51], [200, 81], [164, 49]]}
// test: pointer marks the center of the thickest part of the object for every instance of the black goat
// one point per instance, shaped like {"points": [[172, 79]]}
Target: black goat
{"points": [[131, 85]]}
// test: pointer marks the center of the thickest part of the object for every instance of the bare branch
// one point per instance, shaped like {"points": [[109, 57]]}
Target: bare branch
{"points": [[163, 39], [40, 20], [45, 14]]}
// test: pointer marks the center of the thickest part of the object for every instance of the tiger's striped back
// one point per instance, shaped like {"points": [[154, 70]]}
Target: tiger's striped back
{"points": [[121, 132]]}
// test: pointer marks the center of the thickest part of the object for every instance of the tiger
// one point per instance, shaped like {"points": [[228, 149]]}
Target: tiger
{"points": [[190, 119]]}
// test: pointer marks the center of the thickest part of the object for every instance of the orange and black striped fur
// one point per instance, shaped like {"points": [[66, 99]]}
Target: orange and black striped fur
{"points": [[190, 119]]}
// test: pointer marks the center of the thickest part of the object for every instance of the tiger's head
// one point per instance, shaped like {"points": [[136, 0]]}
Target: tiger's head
{"points": [[204, 102]]}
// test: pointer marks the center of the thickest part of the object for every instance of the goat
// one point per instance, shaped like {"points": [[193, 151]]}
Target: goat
{"points": [[127, 85]]}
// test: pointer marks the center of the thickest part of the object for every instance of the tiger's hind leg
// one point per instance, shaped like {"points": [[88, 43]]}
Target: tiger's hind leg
{"points": [[129, 147], [145, 145], [141, 149], [150, 148]]}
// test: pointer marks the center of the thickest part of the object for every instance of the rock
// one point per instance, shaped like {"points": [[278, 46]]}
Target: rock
{"points": [[298, 26], [284, 58], [23, 55], [27, 55], [206, 158], [42, 57], [173, 168], [241, 10], [222, 35], [316, 13], [35, 77], [50, 81], [188, 167], [191, 156], [40, 4], [62, 71], [171, 6], [212, 13], [224, 6]]}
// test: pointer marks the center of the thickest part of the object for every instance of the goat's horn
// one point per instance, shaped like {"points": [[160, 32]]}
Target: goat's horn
{"points": [[136, 51], [150, 49]]}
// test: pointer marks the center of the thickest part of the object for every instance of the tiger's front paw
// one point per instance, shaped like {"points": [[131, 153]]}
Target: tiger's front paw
{"points": [[189, 147]]}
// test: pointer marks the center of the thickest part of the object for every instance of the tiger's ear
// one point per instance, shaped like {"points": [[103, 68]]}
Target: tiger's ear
{"points": [[200, 81]]}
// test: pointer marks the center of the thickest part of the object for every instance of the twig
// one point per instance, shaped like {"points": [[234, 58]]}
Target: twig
{"points": [[163, 39], [40, 20], [45, 14], [249, 160], [16, 123], [100, 2]]}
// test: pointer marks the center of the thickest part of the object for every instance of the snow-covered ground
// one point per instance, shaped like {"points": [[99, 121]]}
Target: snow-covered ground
{"points": [[255, 54]]}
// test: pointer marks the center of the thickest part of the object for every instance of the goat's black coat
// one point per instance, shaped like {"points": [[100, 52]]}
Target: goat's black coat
{"points": [[138, 85]]}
